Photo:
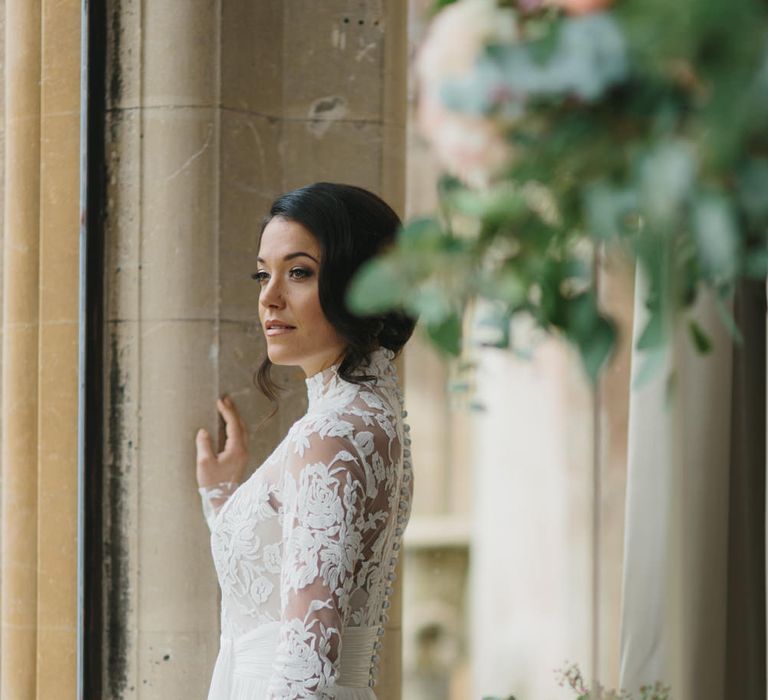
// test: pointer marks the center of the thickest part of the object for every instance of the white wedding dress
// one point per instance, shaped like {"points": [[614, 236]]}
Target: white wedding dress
{"points": [[305, 549]]}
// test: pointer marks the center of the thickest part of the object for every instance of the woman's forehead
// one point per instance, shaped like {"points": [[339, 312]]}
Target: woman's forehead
{"points": [[282, 237]]}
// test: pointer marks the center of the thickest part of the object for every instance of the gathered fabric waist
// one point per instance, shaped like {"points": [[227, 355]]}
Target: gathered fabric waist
{"points": [[253, 655]]}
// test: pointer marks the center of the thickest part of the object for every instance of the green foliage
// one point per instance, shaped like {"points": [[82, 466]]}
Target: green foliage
{"points": [[643, 127], [571, 677]]}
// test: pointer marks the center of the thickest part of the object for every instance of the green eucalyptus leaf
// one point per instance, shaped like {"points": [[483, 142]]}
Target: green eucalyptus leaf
{"points": [[482, 91], [756, 263], [726, 316], [700, 339], [511, 286], [545, 35], [717, 236], [424, 234], [596, 347], [502, 203], [653, 334], [607, 209], [583, 315], [593, 335], [378, 286], [430, 303], [667, 174], [650, 363], [440, 4], [589, 56], [753, 189], [592, 55], [446, 334], [491, 325]]}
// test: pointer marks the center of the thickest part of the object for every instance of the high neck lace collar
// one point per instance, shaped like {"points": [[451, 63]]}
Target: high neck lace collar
{"points": [[327, 382]]}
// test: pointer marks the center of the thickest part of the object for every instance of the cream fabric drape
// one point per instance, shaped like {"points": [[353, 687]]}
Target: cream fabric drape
{"points": [[693, 609], [40, 348]]}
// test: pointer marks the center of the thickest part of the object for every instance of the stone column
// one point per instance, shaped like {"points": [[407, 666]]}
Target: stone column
{"points": [[59, 262], [162, 345], [531, 562], [213, 109], [40, 349], [2, 242], [20, 339]]}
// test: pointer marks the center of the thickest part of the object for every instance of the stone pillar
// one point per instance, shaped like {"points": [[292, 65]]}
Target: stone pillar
{"points": [[20, 339], [162, 345], [2, 241], [59, 261], [40, 349], [531, 561], [213, 110]]}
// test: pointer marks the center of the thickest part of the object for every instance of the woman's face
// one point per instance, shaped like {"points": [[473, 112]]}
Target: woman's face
{"points": [[296, 329]]}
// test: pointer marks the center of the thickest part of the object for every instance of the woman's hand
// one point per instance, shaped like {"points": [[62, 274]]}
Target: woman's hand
{"points": [[228, 465]]}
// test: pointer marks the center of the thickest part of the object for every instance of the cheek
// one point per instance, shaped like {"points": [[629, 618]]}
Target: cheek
{"points": [[311, 305], [314, 317]]}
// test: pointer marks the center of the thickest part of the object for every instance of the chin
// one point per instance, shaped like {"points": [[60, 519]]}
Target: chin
{"points": [[276, 357]]}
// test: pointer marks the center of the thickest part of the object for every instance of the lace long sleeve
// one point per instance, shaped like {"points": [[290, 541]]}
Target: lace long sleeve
{"points": [[323, 499], [213, 497]]}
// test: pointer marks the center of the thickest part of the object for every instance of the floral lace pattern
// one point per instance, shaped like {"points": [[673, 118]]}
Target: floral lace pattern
{"points": [[311, 539]]}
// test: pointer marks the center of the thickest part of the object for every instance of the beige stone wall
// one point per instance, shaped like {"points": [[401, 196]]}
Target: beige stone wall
{"points": [[214, 108]]}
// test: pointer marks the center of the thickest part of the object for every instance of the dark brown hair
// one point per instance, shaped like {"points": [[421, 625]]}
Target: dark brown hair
{"points": [[352, 225]]}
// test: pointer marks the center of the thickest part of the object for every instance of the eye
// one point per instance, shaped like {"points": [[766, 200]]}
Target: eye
{"points": [[300, 273], [260, 276]]}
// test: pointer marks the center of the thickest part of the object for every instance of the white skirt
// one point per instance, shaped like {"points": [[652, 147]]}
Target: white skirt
{"points": [[244, 664]]}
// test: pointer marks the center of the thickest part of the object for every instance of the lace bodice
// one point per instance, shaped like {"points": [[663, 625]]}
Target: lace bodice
{"points": [[311, 539]]}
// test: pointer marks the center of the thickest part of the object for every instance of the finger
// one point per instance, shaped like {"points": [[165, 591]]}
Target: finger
{"points": [[234, 427], [244, 431], [204, 447]]}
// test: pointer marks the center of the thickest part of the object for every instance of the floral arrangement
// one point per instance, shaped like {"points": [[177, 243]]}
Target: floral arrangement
{"points": [[572, 677], [570, 127]]}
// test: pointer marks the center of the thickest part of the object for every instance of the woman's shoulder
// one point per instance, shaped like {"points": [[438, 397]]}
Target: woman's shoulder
{"points": [[368, 409]]}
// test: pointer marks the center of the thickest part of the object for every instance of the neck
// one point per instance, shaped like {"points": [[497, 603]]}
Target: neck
{"points": [[327, 383]]}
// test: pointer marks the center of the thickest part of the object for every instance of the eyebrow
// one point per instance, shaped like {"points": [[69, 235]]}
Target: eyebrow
{"points": [[291, 256]]}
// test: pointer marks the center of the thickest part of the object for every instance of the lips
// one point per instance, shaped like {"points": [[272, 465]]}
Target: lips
{"points": [[274, 327]]}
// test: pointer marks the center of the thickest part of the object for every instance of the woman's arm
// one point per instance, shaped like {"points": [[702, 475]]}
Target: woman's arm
{"points": [[323, 496]]}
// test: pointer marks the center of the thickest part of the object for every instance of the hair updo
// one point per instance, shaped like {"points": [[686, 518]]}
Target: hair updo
{"points": [[351, 225]]}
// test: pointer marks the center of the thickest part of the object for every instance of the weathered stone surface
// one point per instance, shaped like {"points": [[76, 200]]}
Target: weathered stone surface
{"points": [[209, 121], [252, 72]]}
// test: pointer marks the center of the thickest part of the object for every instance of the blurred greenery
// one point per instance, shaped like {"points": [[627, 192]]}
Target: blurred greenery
{"points": [[643, 127], [570, 676]]}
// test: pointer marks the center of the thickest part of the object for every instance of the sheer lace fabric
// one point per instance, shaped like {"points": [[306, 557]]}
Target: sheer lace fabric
{"points": [[305, 549]]}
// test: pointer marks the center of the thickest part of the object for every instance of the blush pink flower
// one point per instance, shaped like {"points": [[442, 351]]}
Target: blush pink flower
{"points": [[581, 7], [471, 147], [458, 34]]}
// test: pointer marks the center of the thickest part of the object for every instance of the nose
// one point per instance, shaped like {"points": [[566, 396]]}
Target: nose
{"points": [[271, 295]]}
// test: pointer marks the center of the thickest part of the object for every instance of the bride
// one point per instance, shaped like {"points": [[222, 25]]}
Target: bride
{"points": [[306, 548]]}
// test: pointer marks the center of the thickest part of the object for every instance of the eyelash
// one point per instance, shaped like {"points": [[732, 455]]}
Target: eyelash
{"points": [[261, 275]]}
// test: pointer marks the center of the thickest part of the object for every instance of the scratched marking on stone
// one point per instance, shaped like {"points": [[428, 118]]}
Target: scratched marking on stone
{"points": [[194, 156], [323, 112]]}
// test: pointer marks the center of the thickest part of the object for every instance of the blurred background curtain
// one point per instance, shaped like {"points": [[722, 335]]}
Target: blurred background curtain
{"points": [[694, 597]]}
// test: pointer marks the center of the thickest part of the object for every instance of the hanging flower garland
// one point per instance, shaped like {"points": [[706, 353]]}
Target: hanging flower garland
{"points": [[565, 126]]}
